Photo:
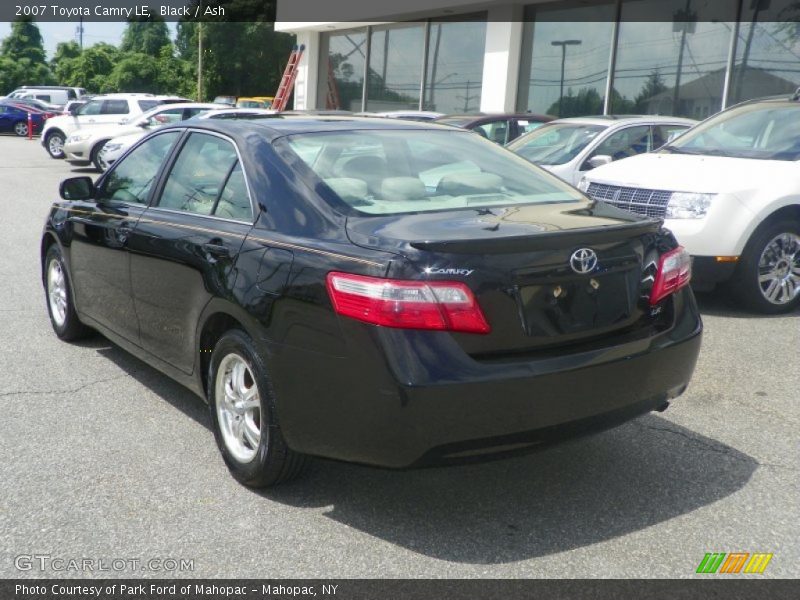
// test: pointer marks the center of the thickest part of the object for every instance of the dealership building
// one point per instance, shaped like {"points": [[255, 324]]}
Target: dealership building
{"points": [[569, 57]]}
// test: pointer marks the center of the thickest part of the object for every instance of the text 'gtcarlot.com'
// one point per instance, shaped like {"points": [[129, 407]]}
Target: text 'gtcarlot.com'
{"points": [[46, 562]]}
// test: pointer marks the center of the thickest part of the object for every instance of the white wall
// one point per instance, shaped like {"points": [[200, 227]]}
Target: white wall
{"points": [[501, 59]]}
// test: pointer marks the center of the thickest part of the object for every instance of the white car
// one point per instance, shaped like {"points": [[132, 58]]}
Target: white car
{"points": [[85, 145], [570, 147], [100, 110], [116, 147], [729, 189]]}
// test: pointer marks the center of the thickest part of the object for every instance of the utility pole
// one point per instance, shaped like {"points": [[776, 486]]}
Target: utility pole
{"points": [[563, 44], [467, 97], [79, 31], [200, 57], [685, 21]]}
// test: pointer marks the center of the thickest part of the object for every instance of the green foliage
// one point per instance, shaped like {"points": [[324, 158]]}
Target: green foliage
{"points": [[145, 36], [22, 57], [239, 58], [653, 86]]}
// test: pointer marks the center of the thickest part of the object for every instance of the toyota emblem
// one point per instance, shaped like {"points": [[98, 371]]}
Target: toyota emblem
{"points": [[583, 260]]}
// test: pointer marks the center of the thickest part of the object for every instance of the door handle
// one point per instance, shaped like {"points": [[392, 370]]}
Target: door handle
{"points": [[214, 251]]}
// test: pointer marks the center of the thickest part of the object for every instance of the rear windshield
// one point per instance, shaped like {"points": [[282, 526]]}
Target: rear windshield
{"points": [[767, 131], [382, 172]]}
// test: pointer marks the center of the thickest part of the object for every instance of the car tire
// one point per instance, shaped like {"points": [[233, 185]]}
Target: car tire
{"points": [[95, 156], [54, 142], [244, 417], [767, 277], [58, 293], [21, 128]]}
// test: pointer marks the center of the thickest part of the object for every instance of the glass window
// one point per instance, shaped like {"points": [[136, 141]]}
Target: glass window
{"points": [[341, 70], [146, 105], [625, 142], [496, 131], [454, 74], [565, 57], [664, 134], [115, 107], [132, 177], [767, 50], [765, 130], [393, 172], [199, 174], [165, 117], [555, 143], [395, 67], [91, 108], [234, 202], [672, 57]]}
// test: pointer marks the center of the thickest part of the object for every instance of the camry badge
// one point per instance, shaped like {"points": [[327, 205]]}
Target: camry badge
{"points": [[583, 260]]}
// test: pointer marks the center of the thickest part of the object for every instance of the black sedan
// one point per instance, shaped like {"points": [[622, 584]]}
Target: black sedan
{"points": [[378, 291]]}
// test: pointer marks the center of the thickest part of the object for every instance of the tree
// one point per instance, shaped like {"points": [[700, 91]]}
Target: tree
{"points": [[586, 102], [90, 69], [22, 57], [653, 86], [145, 36]]}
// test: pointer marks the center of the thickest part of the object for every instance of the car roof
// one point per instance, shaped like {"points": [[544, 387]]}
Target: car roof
{"points": [[275, 126], [614, 120]]}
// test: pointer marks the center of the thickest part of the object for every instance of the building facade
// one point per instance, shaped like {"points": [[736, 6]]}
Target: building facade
{"points": [[566, 58]]}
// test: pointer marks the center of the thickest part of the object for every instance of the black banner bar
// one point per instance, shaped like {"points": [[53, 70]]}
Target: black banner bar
{"points": [[710, 588]]}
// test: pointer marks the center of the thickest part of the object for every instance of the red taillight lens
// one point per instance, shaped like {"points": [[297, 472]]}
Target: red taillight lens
{"points": [[674, 272], [439, 305]]}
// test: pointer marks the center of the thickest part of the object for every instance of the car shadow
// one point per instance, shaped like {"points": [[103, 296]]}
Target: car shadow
{"points": [[567, 496], [718, 304]]}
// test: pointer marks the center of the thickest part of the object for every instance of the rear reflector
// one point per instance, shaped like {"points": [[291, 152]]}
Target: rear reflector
{"points": [[674, 272], [437, 305]]}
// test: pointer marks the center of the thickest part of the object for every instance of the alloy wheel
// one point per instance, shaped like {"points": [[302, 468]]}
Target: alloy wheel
{"points": [[779, 269], [238, 408], [57, 292]]}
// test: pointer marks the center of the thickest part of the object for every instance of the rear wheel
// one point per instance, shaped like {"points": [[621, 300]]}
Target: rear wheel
{"points": [[54, 142], [60, 307], [767, 277], [21, 128], [242, 405]]}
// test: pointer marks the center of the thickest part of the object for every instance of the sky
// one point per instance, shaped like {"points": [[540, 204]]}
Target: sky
{"points": [[54, 33]]}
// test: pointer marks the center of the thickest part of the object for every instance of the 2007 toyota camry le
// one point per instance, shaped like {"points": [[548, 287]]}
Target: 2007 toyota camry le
{"points": [[377, 291]]}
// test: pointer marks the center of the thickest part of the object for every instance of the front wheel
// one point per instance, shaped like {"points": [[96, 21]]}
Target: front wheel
{"points": [[60, 307], [21, 128], [242, 406], [97, 161], [54, 142], [767, 277]]}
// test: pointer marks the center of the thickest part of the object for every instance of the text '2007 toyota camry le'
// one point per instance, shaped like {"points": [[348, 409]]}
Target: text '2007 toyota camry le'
{"points": [[383, 292]]}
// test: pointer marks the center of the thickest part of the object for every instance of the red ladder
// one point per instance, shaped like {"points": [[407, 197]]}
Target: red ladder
{"points": [[332, 97], [287, 81]]}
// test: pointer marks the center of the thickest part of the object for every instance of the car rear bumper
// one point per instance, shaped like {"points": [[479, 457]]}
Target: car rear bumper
{"points": [[405, 398]]}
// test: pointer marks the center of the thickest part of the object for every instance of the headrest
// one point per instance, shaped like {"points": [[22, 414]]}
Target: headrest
{"points": [[403, 188], [460, 184]]}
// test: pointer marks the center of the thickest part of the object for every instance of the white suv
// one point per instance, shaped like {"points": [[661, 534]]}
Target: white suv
{"points": [[100, 110], [729, 189]]}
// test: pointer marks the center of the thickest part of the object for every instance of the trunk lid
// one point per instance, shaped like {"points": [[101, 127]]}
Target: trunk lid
{"points": [[519, 261]]}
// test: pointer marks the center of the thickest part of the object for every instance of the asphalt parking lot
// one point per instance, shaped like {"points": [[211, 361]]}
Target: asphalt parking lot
{"points": [[105, 458]]}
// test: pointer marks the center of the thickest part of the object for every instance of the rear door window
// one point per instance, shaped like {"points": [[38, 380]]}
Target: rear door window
{"points": [[115, 107], [199, 176]]}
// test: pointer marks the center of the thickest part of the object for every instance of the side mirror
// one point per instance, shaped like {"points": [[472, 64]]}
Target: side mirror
{"points": [[597, 161], [77, 188]]}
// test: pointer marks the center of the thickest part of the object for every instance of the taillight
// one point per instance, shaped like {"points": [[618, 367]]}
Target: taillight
{"points": [[674, 272], [438, 305]]}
